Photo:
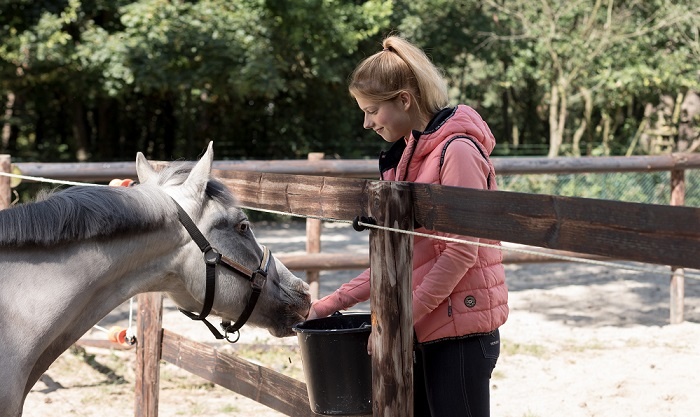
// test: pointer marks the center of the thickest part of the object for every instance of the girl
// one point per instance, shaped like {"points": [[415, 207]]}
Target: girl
{"points": [[459, 290]]}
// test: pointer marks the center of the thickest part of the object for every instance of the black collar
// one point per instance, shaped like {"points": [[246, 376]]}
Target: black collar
{"points": [[390, 159]]}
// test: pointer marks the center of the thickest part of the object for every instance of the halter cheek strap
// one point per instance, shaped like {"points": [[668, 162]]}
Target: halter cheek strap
{"points": [[212, 258]]}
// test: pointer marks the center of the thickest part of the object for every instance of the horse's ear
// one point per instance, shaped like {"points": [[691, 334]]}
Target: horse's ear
{"points": [[144, 170], [199, 176]]}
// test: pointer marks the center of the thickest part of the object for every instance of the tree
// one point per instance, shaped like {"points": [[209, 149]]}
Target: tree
{"points": [[583, 51], [106, 78]]}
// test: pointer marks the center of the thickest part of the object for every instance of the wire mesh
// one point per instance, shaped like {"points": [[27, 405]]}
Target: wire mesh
{"points": [[637, 187]]}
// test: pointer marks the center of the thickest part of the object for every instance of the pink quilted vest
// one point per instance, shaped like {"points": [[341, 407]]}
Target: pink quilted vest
{"points": [[458, 289]]}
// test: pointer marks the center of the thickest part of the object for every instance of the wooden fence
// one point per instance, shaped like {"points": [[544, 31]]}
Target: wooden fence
{"points": [[664, 235], [649, 233]]}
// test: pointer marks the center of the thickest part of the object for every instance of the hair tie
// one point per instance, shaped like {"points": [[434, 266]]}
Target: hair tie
{"points": [[389, 49]]}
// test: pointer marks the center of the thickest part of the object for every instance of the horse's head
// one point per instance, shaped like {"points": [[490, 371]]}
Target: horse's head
{"points": [[284, 299]]}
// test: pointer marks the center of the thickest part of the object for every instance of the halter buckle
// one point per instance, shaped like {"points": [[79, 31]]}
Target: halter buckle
{"points": [[212, 256], [258, 279]]}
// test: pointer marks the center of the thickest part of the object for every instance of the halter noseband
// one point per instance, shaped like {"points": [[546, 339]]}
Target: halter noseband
{"points": [[212, 258]]}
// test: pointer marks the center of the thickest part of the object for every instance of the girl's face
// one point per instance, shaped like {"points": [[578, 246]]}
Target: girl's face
{"points": [[390, 119]]}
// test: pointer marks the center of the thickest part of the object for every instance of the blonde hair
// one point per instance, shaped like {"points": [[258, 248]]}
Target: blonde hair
{"points": [[400, 66]]}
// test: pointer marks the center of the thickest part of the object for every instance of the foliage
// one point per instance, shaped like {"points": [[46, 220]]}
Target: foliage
{"points": [[102, 79], [110, 78]]}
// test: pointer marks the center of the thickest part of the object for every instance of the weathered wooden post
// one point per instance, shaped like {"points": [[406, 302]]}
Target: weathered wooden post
{"points": [[5, 189], [149, 335], [677, 289], [313, 242], [391, 258]]}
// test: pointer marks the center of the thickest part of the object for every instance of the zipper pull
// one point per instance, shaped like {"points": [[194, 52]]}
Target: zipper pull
{"points": [[449, 307]]}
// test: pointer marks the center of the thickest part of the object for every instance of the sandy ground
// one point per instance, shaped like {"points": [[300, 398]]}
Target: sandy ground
{"points": [[581, 340]]}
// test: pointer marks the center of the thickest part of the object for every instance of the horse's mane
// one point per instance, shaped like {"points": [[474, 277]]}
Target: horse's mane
{"points": [[84, 212]]}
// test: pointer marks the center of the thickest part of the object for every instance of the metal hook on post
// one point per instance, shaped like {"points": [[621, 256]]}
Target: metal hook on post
{"points": [[362, 219]]}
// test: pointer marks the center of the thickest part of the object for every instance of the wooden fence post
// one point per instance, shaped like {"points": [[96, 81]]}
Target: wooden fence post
{"points": [[149, 335], [313, 242], [5, 189], [677, 289], [391, 258]]}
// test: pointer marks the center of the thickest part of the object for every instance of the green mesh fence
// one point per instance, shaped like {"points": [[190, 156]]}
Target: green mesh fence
{"points": [[637, 187]]}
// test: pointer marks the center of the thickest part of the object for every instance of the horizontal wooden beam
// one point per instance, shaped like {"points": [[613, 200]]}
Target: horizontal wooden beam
{"points": [[324, 261], [596, 164], [103, 344], [329, 261], [657, 234], [328, 197], [265, 386], [368, 168]]}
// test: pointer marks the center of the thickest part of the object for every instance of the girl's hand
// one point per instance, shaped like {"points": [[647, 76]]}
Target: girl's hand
{"points": [[312, 313]]}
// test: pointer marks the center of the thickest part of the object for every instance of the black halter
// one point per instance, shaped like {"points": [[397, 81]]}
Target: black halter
{"points": [[212, 257]]}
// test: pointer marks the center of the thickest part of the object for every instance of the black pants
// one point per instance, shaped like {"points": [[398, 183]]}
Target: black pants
{"points": [[451, 377]]}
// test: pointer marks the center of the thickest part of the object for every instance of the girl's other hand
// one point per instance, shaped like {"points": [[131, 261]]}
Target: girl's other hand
{"points": [[312, 313]]}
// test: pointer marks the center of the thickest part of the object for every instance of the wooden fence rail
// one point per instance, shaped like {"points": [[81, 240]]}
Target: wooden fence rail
{"points": [[658, 234], [365, 168]]}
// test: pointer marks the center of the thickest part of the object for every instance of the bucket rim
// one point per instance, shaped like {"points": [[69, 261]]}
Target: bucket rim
{"points": [[361, 329]]}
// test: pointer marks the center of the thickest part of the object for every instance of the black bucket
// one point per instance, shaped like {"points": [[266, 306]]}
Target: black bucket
{"points": [[337, 368]]}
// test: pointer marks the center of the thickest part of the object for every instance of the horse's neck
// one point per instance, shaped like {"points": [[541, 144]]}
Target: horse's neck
{"points": [[60, 293], [92, 276]]}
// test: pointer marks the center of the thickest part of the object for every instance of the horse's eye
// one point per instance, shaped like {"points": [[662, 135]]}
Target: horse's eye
{"points": [[243, 226]]}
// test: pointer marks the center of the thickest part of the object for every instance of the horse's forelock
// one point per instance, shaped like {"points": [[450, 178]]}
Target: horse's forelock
{"points": [[177, 172], [216, 190], [174, 174]]}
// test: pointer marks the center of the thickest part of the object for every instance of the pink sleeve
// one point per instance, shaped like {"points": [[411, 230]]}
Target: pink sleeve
{"points": [[463, 167], [349, 294]]}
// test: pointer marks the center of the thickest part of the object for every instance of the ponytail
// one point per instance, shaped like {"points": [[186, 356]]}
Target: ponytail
{"points": [[400, 66]]}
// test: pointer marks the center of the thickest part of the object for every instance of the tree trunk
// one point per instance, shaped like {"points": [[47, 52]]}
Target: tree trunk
{"points": [[553, 106], [640, 130], [10, 131], [108, 128], [585, 122], [557, 115], [563, 112], [169, 126], [7, 126], [606, 133], [80, 132]]}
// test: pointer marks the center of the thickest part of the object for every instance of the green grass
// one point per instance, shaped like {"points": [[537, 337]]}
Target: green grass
{"points": [[510, 348]]}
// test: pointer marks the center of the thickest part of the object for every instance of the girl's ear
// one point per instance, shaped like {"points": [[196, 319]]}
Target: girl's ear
{"points": [[406, 100]]}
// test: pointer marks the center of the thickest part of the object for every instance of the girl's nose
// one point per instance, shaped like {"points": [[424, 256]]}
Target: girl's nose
{"points": [[367, 122]]}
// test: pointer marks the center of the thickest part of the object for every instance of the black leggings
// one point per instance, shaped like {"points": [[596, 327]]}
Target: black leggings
{"points": [[451, 377]]}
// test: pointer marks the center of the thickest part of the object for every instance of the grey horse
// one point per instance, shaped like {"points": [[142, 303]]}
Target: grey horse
{"points": [[71, 257]]}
